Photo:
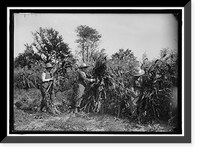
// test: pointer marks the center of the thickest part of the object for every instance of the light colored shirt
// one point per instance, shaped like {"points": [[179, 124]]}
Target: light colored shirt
{"points": [[46, 76], [84, 77]]}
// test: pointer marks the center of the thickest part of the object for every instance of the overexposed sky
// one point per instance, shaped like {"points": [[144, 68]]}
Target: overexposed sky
{"points": [[139, 32]]}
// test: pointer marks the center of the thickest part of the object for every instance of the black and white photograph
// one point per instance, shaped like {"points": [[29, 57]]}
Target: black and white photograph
{"points": [[96, 72]]}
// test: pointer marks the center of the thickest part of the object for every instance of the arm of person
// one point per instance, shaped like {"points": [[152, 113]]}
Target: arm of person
{"points": [[83, 75], [44, 79], [54, 69]]}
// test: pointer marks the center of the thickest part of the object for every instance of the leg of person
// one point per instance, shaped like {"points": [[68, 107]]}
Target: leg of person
{"points": [[48, 103], [80, 93], [74, 97], [43, 101], [42, 105], [73, 101], [78, 103], [53, 100]]}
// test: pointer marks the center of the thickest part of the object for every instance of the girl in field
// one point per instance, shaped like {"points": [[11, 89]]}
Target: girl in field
{"points": [[82, 83], [47, 90], [136, 88], [137, 73]]}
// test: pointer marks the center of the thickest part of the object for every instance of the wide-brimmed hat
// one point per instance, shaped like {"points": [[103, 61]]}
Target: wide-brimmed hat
{"points": [[138, 71], [48, 65], [83, 65]]}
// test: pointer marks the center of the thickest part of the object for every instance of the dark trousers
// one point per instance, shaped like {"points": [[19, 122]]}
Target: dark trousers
{"points": [[47, 98]]}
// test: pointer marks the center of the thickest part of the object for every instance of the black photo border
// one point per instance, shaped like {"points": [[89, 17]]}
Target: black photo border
{"points": [[115, 138]]}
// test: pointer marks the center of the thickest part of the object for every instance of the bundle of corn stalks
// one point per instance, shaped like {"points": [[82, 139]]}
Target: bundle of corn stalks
{"points": [[95, 99], [109, 94], [157, 85]]}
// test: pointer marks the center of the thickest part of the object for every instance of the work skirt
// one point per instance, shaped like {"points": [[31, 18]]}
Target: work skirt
{"points": [[79, 94], [47, 97]]}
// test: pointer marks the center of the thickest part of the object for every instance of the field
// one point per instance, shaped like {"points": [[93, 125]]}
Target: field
{"points": [[124, 93], [28, 118]]}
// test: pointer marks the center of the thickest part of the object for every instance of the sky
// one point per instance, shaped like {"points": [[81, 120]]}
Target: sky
{"points": [[138, 32]]}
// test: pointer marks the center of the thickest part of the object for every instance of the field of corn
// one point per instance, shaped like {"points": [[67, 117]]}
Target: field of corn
{"points": [[109, 103]]}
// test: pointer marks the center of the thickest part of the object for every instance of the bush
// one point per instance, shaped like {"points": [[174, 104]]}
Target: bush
{"points": [[28, 100], [26, 78]]}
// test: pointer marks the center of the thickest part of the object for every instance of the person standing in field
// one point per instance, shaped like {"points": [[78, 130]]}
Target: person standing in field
{"points": [[137, 73], [47, 90], [81, 85], [136, 87]]}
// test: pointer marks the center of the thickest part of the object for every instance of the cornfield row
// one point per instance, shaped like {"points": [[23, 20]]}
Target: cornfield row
{"points": [[112, 91]]}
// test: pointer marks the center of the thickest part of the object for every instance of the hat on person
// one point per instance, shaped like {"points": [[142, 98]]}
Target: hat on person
{"points": [[138, 71], [83, 65], [48, 65]]}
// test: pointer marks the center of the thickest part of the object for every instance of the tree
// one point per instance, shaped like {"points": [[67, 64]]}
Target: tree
{"points": [[27, 58], [88, 41], [124, 59], [122, 63], [50, 45]]}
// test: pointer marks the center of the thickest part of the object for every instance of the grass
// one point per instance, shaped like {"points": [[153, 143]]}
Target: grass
{"points": [[82, 122], [25, 120]]}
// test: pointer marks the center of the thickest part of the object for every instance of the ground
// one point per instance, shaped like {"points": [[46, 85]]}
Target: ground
{"points": [[26, 120], [80, 122]]}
